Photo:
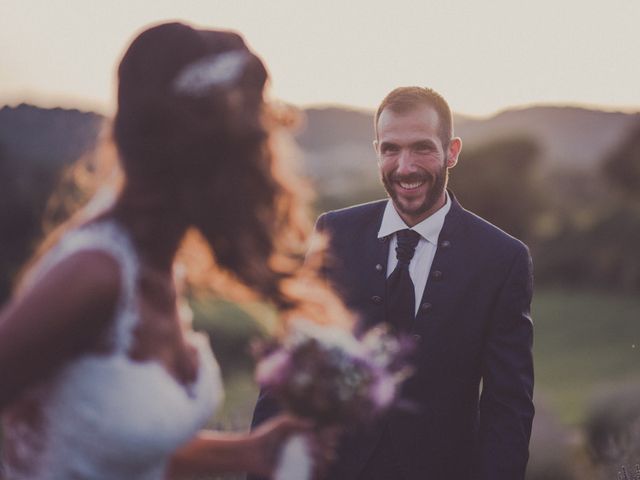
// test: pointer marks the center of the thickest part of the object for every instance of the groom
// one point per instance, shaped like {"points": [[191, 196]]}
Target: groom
{"points": [[460, 286]]}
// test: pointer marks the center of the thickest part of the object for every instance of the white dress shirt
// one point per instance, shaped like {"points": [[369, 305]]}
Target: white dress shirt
{"points": [[429, 230]]}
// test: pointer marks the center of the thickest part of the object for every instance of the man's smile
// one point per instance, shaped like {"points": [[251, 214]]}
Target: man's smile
{"points": [[411, 185]]}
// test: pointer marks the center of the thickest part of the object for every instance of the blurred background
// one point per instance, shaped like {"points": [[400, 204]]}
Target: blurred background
{"points": [[546, 99]]}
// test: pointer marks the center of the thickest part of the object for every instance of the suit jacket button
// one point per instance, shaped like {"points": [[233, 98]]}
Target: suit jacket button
{"points": [[436, 275], [378, 267], [445, 244], [416, 338], [426, 306], [376, 299]]}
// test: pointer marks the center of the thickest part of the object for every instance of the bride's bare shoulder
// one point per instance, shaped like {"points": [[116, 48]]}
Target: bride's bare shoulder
{"points": [[86, 277], [60, 315]]}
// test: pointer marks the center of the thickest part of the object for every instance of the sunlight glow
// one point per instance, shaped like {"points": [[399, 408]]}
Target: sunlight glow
{"points": [[482, 59]]}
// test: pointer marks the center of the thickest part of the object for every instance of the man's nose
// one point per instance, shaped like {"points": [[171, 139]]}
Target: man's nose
{"points": [[405, 162]]}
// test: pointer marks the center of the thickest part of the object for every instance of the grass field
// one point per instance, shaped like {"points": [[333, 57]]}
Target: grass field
{"points": [[585, 343]]}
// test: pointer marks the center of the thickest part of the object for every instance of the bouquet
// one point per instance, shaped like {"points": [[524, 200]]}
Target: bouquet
{"points": [[326, 374]]}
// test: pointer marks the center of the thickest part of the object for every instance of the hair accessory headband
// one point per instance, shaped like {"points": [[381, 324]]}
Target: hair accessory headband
{"points": [[219, 70]]}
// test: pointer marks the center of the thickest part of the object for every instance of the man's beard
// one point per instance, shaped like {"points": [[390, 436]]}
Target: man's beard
{"points": [[437, 185]]}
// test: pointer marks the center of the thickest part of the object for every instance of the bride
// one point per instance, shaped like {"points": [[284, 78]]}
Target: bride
{"points": [[99, 378]]}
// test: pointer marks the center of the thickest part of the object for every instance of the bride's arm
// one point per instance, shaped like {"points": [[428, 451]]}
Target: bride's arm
{"points": [[55, 319], [255, 452]]}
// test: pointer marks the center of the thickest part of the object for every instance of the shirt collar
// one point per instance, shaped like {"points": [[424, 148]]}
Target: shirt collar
{"points": [[429, 228]]}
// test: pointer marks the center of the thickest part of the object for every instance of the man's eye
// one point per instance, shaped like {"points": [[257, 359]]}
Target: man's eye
{"points": [[389, 149]]}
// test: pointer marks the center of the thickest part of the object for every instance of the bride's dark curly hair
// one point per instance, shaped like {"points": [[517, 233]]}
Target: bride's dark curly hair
{"points": [[192, 124]]}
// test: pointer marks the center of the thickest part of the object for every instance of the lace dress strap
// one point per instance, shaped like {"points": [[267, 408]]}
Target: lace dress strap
{"points": [[109, 237]]}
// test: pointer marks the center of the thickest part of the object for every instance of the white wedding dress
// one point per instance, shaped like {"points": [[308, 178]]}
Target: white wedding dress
{"points": [[106, 416]]}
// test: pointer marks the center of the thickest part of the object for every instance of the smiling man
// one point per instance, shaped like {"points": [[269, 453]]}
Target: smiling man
{"points": [[415, 151], [459, 286]]}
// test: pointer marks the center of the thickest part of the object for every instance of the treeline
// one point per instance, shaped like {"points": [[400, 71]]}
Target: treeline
{"points": [[36, 146], [24, 190], [583, 227]]}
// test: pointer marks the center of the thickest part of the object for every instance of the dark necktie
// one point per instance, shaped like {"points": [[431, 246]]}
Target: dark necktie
{"points": [[400, 295]]}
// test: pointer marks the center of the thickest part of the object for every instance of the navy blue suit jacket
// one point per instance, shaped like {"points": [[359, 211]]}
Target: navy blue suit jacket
{"points": [[473, 385]]}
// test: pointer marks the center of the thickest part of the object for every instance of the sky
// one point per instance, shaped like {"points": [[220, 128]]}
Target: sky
{"points": [[483, 56]]}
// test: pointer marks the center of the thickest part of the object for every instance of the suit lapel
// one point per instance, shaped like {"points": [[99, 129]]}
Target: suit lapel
{"points": [[445, 255], [374, 268]]}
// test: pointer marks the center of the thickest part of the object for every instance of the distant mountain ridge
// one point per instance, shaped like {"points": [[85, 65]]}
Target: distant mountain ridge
{"points": [[47, 137], [569, 137], [572, 137], [337, 141]]}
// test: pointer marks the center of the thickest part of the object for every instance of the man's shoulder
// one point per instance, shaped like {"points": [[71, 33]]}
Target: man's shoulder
{"points": [[487, 234]]}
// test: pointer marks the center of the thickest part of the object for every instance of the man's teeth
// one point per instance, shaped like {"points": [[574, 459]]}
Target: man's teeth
{"points": [[410, 186]]}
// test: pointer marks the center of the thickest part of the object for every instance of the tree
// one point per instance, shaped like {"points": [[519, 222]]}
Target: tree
{"points": [[25, 187], [622, 165], [498, 182]]}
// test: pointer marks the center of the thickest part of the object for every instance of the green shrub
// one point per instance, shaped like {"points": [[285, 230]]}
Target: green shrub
{"points": [[612, 431], [231, 330]]}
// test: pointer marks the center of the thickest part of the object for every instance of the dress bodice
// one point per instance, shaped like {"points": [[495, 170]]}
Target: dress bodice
{"points": [[106, 416]]}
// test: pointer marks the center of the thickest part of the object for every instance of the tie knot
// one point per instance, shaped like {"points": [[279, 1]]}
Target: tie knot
{"points": [[407, 241]]}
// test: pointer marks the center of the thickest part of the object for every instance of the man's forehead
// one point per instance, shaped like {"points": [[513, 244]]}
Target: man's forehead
{"points": [[414, 117]]}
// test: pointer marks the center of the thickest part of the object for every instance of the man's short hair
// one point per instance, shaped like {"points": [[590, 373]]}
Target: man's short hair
{"points": [[405, 99]]}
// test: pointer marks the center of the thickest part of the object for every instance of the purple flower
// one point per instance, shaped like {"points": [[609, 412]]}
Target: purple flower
{"points": [[327, 374]]}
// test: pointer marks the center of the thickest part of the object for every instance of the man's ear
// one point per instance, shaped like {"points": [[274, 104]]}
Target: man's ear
{"points": [[376, 145], [453, 151]]}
